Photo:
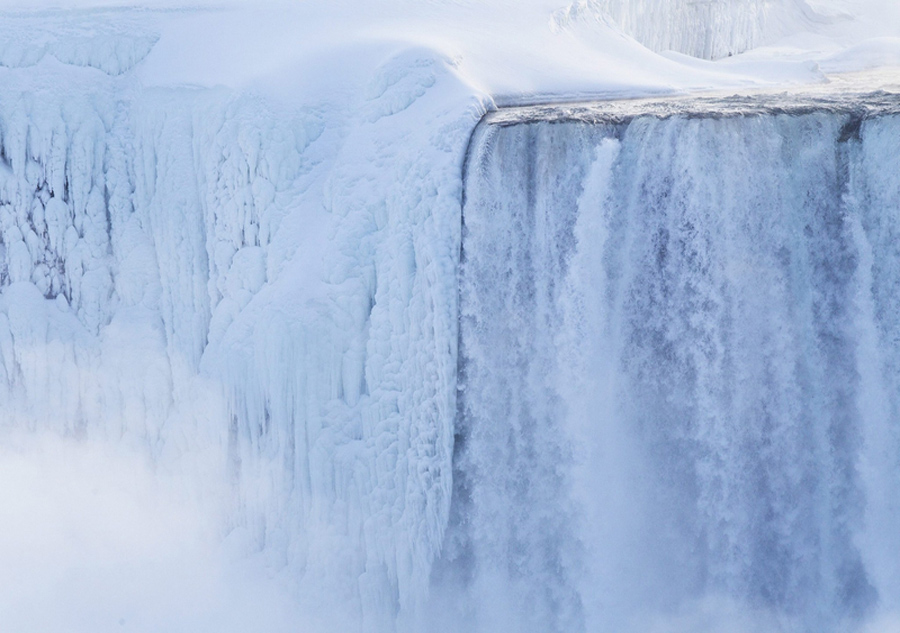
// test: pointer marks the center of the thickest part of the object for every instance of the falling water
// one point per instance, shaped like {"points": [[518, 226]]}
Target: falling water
{"points": [[679, 374]]}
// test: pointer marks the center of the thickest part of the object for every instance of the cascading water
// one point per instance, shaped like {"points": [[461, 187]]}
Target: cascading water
{"points": [[679, 374]]}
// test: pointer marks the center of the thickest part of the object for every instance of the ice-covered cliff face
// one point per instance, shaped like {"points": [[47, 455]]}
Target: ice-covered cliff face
{"points": [[250, 295], [709, 29], [256, 298], [678, 375]]}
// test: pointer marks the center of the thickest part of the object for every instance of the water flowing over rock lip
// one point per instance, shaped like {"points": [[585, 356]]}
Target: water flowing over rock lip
{"points": [[862, 103], [641, 182]]}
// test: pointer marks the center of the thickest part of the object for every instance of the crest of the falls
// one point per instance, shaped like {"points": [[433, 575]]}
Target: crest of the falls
{"points": [[678, 375]]}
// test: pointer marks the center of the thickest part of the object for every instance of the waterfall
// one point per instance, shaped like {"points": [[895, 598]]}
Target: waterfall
{"points": [[709, 29], [679, 372]]}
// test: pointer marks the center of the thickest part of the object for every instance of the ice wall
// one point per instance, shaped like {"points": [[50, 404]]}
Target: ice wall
{"points": [[250, 293], [678, 376], [122, 226], [341, 373], [710, 29]]}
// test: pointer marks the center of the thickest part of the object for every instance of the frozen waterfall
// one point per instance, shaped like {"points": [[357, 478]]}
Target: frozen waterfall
{"points": [[255, 301], [679, 376], [279, 358], [706, 29]]}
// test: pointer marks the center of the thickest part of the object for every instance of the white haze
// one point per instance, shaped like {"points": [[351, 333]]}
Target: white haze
{"points": [[96, 540]]}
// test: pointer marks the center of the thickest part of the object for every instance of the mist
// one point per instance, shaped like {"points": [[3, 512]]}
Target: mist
{"points": [[97, 540]]}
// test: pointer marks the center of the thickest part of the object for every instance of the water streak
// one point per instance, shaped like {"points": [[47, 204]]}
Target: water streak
{"points": [[679, 375]]}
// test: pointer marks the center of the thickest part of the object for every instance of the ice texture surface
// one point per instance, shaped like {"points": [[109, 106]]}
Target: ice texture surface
{"points": [[246, 296], [709, 30], [230, 244]]}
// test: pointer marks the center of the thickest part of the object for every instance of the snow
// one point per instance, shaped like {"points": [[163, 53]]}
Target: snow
{"points": [[115, 45], [229, 244]]}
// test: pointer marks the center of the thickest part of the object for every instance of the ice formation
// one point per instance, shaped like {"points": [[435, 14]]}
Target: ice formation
{"points": [[114, 44], [193, 273], [674, 387], [709, 29]]}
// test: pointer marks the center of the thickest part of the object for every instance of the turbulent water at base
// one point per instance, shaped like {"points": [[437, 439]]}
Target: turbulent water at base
{"points": [[679, 373]]}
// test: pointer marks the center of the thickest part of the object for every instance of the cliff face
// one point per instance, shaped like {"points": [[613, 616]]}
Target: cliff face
{"points": [[253, 295], [708, 29]]}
